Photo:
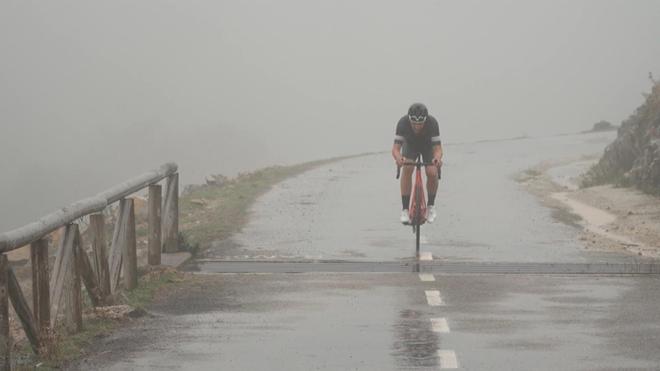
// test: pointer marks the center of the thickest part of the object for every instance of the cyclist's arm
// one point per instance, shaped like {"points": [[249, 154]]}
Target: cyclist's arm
{"points": [[437, 153], [396, 152], [436, 142], [399, 139]]}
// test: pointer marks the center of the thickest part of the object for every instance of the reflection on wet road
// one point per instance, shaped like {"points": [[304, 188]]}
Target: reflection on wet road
{"points": [[503, 287], [376, 321], [416, 345]]}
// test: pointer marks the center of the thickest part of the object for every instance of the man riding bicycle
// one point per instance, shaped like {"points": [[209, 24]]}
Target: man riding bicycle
{"points": [[418, 133]]}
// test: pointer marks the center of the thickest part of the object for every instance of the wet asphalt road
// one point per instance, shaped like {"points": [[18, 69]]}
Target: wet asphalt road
{"points": [[331, 321], [348, 210], [377, 318]]}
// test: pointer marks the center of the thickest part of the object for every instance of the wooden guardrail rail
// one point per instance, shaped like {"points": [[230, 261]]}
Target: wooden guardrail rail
{"points": [[61, 292]]}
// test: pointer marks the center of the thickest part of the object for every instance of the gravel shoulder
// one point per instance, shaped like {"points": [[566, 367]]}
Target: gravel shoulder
{"points": [[611, 218]]}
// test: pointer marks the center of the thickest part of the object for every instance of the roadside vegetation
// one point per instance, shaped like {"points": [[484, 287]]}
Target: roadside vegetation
{"points": [[207, 213], [537, 181], [64, 348], [212, 212], [633, 159]]}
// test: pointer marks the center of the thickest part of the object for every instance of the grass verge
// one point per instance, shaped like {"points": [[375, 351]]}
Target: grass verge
{"points": [[210, 212], [66, 348], [207, 213]]}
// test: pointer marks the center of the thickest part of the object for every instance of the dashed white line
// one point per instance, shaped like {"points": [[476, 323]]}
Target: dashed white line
{"points": [[447, 359], [426, 277], [425, 255], [433, 298], [440, 325]]}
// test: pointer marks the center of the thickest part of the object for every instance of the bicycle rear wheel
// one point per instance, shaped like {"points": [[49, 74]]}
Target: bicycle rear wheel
{"points": [[417, 231]]}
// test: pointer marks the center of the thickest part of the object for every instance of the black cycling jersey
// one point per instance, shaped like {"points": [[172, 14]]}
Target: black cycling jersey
{"points": [[422, 142]]}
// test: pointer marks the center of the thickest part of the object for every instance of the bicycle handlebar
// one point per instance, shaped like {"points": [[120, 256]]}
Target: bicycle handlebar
{"points": [[417, 164]]}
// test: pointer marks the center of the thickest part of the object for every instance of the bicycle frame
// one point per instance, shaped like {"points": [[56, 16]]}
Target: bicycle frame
{"points": [[417, 208]]}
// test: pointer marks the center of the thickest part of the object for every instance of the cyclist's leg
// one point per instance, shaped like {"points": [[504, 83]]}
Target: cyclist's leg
{"points": [[406, 174], [431, 176]]}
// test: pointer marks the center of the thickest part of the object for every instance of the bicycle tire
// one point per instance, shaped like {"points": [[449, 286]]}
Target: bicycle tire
{"points": [[417, 233], [418, 220]]}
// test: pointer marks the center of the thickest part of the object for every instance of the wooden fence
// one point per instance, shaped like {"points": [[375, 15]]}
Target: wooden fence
{"points": [[59, 294]]}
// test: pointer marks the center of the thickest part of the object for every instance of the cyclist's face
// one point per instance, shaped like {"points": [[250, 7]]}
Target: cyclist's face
{"points": [[417, 126]]}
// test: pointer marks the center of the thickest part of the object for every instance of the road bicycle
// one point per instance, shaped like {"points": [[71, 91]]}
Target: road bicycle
{"points": [[417, 208]]}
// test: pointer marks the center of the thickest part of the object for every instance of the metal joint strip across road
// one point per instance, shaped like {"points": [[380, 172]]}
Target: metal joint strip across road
{"points": [[435, 267]]}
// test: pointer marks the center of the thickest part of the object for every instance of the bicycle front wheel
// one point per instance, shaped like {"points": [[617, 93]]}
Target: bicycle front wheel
{"points": [[417, 232]]}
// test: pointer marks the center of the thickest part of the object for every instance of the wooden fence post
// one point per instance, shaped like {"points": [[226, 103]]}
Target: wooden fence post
{"points": [[155, 245], [130, 248], [73, 308], [115, 258], [5, 345], [171, 215], [61, 267], [97, 228], [87, 274], [40, 285], [123, 251], [22, 309], [66, 281]]}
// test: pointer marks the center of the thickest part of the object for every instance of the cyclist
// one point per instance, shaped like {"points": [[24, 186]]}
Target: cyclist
{"points": [[418, 133]]}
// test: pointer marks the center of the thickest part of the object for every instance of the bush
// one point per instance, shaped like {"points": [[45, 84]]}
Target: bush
{"points": [[185, 245]]}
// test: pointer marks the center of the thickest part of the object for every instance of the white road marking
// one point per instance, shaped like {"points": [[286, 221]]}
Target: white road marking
{"points": [[425, 255], [440, 325], [433, 298], [447, 359], [426, 277], [423, 239]]}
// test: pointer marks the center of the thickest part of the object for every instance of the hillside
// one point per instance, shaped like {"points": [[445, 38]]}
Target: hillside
{"points": [[633, 159]]}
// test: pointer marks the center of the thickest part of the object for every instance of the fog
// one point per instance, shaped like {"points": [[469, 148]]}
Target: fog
{"points": [[92, 93]]}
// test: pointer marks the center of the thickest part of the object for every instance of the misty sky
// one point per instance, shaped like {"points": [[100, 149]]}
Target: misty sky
{"points": [[93, 92]]}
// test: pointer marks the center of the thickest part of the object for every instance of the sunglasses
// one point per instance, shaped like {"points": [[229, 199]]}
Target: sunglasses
{"points": [[417, 119]]}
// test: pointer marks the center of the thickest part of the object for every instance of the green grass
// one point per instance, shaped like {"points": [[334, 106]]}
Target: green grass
{"points": [[69, 347], [527, 175], [567, 217], [532, 173], [64, 347], [226, 208], [226, 213], [148, 287]]}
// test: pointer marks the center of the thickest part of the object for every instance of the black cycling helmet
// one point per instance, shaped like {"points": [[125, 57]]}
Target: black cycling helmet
{"points": [[417, 112]]}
